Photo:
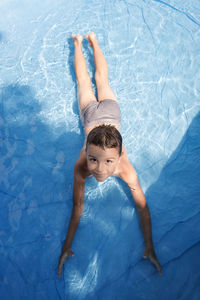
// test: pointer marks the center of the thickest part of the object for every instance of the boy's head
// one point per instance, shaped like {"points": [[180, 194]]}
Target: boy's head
{"points": [[103, 147]]}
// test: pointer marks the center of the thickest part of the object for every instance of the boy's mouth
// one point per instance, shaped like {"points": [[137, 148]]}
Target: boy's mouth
{"points": [[99, 175]]}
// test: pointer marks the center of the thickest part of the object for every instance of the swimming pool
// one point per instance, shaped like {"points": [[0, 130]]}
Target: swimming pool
{"points": [[152, 49]]}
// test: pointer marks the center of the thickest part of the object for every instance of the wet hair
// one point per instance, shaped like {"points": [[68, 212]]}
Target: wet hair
{"points": [[105, 136]]}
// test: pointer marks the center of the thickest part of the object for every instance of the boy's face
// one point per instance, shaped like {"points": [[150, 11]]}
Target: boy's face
{"points": [[102, 162]]}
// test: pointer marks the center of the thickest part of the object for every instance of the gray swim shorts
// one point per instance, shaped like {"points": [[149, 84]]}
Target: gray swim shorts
{"points": [[106, 111]]}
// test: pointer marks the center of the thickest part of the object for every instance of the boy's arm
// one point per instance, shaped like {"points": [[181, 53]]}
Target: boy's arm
{"points": [[130, 177], [77, 210]]}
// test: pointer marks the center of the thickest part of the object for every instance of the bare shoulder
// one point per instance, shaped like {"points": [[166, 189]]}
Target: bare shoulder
{"points": [[127, 172], [80, 167]]}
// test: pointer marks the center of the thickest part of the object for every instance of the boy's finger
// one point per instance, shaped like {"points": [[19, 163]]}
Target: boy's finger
{"points": [[158, 266], [59, 270], [61, 263], [156, 263]]}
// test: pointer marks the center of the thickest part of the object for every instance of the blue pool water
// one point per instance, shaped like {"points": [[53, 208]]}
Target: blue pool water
{"points": [[152, 49]]}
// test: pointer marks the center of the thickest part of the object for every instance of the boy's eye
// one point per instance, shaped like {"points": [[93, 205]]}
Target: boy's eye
{"points": [[109, 161], [93, 159]]}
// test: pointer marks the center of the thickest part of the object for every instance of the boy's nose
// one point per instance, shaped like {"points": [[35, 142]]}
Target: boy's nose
{"points": [[100, 167]]}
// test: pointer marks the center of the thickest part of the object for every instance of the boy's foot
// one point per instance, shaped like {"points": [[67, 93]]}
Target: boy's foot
{"points": [[77, 38], [91, 37]]}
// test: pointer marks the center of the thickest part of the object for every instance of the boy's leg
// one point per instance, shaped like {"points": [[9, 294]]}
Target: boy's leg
{"points": [[85, 92], [101, 75]]}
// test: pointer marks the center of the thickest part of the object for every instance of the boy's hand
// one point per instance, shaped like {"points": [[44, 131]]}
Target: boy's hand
{"points": [[149, 253], [65, 254]]}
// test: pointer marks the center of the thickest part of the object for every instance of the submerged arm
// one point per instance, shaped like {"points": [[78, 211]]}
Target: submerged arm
{"points": [[130, 177], [143, 212], [145, 222], [77, 210]]}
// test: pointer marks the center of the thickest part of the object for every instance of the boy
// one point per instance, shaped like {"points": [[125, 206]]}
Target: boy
{"points": [[103, 153]]}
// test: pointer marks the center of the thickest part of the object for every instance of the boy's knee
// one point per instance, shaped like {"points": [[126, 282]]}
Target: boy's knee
{"points": [[101, 77], [84, 80]]}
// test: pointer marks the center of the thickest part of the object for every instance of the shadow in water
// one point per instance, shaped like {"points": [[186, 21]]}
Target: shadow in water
{"points": [[174, 197], [36, 170]]}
